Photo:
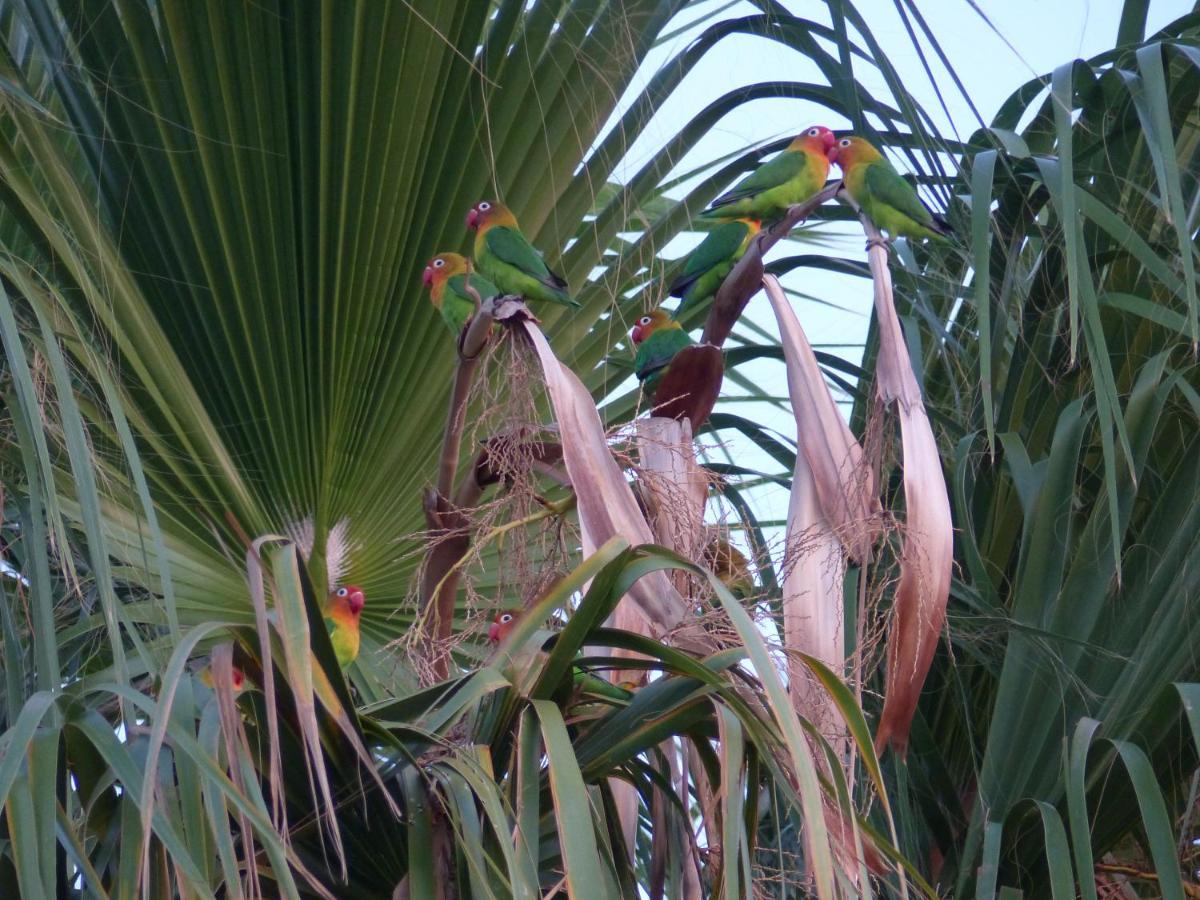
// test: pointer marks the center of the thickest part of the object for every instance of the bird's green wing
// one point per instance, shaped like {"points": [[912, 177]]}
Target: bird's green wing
{"points": [[510, 246], [721, 245], [456, 312], [592, 684], [887, 186], [781, 169], [658, 350], [483, 287]]}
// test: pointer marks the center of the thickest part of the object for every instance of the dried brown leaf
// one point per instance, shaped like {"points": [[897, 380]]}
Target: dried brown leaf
{"points": [[928, 555], [843, 481], [689, 388], [813, 619], [607, 507]]}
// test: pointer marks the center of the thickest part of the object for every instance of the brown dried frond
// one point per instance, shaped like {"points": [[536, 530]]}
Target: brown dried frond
{"points": [[667, 499], [801, 545], [775, 876], [515, 523]]}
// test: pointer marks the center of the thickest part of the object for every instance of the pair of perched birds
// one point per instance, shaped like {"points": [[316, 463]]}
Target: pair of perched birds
{"points": [[765, 195], [505, 263]]}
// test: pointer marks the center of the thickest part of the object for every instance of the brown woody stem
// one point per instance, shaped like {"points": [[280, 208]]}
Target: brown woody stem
{"points": [[450, 531], [1189, 889], [471, 342]]}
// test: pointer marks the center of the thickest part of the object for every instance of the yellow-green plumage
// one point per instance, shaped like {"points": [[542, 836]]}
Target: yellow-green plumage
{"points": [[658, 338], [884, 195], [792, 177], [343, 611], [503, 255], [708, 265], [447, 277]]}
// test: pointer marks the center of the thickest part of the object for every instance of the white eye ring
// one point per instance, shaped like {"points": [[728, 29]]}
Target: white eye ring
{"points": [[506, 618], [645, 320], [438, 263], [813, 132], [343, 592], [844, 142], [484, 206]]}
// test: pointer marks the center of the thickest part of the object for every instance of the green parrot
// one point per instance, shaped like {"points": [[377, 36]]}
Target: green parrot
{"points": [[509, 260], [881, 192], [709, 264], [446, 278], [730, 565], [343, 610], [658, 337], [237, 680], [343, 606], [790, 178], [587, 683]]}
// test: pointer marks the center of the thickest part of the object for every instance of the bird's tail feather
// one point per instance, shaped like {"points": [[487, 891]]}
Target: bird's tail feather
{"points": [[941, 226]]}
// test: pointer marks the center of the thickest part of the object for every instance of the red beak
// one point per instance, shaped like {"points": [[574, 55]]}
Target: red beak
{"points": [[636, 335], [831, 146], [494, 633], [427, 276], [473, 218], [356, 601]]}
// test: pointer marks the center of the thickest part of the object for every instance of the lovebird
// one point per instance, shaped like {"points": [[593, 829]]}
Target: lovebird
{"points": [[883, 194], [502, 624], [343, 610], [658, 337], [446, 278], [504, 255], [730, 565], [238, 679], [790, 178], [714, 259], [587, 683]]}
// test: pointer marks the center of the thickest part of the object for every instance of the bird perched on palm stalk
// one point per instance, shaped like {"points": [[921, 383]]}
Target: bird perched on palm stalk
{"points": [[503, 254], [730, 565], [790, 178], [343, 606], [447, 276], [707, 265], [883, 194], [505, 621], [658, 337], [343, 612]]}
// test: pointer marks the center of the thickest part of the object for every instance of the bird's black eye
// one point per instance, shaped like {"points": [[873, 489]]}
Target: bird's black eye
{"points": [[813, 132], [505, 619], [343, 592], [438, 263], [844, 142], [645, 320], [484, 206]]}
